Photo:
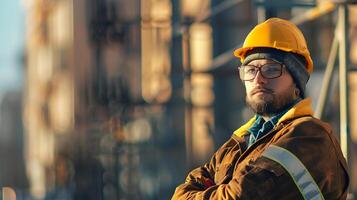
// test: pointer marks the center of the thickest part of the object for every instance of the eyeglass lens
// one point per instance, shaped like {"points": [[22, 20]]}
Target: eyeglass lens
{"points": [[269, 71]]}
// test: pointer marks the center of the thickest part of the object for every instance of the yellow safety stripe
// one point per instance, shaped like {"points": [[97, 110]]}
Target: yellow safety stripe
{"points": [[298, 172]]}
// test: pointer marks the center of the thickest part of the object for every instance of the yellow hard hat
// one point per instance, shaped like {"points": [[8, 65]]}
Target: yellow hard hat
{"points": [[278, 34]]}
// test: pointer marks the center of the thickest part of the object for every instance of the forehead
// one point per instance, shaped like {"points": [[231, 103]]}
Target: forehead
{"points": [[261, 61]]}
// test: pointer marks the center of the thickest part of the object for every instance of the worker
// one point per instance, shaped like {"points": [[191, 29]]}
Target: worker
{"points": [[282, 152]]}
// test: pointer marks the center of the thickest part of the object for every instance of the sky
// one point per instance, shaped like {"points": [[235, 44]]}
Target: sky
{"points": [[12, 35]]}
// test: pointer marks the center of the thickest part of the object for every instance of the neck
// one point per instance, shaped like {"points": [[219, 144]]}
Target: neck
{"points": [[266, 117]]}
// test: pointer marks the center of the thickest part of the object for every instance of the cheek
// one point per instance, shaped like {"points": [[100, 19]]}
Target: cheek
{"points": [[284, 85], [248, 87]]}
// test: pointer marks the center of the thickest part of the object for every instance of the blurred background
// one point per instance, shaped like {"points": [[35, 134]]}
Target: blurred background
{"points": [[118, 99]]}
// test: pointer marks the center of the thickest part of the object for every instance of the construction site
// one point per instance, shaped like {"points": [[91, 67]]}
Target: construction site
{"points": [[121, 99]]}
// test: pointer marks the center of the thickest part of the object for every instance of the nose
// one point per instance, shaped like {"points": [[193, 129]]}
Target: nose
{"points": [[259, 79]]}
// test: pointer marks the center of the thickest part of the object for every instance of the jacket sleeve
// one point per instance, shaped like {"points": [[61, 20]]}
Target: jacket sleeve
{"points": [[257, 184], [259, 181], [202, 178], [314, 144]]}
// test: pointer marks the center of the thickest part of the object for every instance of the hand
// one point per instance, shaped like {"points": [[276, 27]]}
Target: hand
{"points": [[207, 183]]}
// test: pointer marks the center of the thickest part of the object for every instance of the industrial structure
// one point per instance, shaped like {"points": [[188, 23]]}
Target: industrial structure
{"points": [[122, 98]]}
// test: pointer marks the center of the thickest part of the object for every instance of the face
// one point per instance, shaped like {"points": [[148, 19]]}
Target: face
{"points": [[268, 97]]}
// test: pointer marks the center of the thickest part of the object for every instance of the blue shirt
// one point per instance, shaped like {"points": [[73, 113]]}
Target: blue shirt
{"points": [[261, 127]]}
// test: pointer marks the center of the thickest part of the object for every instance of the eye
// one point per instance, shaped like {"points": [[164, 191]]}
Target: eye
{"points": [[271, 68], [249, 69]]}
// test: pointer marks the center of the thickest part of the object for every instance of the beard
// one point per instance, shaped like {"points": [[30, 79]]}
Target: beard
{"points": [[271, 103]]}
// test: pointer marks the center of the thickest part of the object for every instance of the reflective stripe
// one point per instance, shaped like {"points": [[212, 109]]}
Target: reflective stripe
{"points": [[301, 176]]}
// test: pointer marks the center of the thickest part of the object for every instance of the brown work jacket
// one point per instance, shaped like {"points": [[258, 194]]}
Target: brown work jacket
{"points": [[238, 172]]}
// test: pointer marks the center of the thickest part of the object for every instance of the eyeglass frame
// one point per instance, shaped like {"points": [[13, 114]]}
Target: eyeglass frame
{"points": [[259, 68]]}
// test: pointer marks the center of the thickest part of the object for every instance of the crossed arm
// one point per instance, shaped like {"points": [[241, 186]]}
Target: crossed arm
{"points": [[217, 180]]}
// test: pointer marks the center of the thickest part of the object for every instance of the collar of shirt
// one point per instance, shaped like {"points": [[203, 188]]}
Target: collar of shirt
{"points": [[261, 127]]}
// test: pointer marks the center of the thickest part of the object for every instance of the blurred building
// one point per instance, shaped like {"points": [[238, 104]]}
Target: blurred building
{"points": [[84, 99], [122, 98]]}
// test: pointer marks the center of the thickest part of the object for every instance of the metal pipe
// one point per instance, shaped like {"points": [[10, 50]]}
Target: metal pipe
{"points": [[187, 95], [227, 56], [179, 30], [326, 82], [217, 9], [220, 60], [313, 13], [261, 14], [343, 60]]}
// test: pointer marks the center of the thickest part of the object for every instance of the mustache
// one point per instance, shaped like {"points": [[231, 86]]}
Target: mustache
{"points": [[261, 89]]}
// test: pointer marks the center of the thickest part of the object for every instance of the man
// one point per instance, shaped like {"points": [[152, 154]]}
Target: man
{"points": [[283, 152]]}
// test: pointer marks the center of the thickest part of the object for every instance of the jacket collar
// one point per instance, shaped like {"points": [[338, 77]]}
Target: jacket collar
{"points": [[301, 109]]}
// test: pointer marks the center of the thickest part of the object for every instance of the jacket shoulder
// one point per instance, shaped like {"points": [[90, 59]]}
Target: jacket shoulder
{"points": [[310, 125], [308, 132]]}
